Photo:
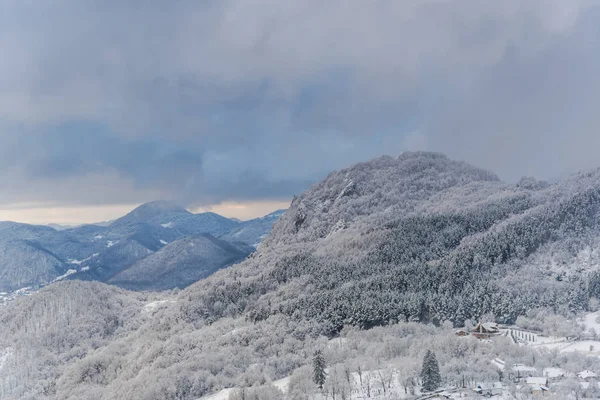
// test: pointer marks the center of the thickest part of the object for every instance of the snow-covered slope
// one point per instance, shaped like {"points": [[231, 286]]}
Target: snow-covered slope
{"points": [[36, 255], [179, 264], [252, 232], [414, 238]]}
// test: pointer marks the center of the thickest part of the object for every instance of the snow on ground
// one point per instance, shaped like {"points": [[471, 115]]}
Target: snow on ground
{"points": [[22, 290], [588, 347], [152, 307], [554, 372], [79, 262], [337, 343], [6, 298], [261, 237], [222, 395], [498, 363], [85, 269], [524, 368], [167, 225], [530, 338], [589, 320], [63, 276], [98, 237], [164, 242], [282, 384], [5, 355], [236, 331], [111, 243]]}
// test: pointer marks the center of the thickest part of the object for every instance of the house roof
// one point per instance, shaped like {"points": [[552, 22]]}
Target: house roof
{"points": [[488, 386], [534, 380], [554, 372], [523, 368], [498, 363], [488, 326], [587, 374]]}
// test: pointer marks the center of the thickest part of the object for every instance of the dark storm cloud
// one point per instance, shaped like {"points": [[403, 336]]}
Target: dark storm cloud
{"points": [[232, 100]]}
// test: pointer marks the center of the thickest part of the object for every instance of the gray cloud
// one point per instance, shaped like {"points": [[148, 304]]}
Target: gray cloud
{"points": [[125, 101]]}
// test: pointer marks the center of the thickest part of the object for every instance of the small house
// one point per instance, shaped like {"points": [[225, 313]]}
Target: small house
{"points": [[554, 373], [537, 385], [462, 332], [489, 389], [535, 380], [587, 375], [520, 371], [485, 330]]}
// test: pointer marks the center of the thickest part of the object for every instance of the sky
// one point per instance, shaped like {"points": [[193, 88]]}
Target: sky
{"points": [[235, 106]]}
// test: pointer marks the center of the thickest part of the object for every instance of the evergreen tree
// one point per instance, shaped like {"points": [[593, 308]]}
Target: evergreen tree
{"points": [[430, 374], [319, 374]]}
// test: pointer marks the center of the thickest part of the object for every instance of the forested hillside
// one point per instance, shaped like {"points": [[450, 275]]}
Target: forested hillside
{"points": [[416, 238], [179, 264]]}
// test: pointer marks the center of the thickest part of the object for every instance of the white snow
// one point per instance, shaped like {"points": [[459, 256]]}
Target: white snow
{"points": [[6, 298], [339, 226], [111, 243], [337, 343], [261, 237], [554, 372], [164, 242], [222, 395], [523, 368], [23, 290], [79, 262], [63, 276], [534, 380], [587, 374], [98, 237], [589, 320], [588, 347], [238, 233], [151, 307], [5, 355], [167, 225], [498, 363], [282, 384], [85, 269]]}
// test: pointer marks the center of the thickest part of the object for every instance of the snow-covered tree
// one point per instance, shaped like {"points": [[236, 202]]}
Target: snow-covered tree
{"points": [[319, 374], [430, 372]]}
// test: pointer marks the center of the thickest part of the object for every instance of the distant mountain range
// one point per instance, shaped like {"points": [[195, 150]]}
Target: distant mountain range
{"points": [[32, 255]]}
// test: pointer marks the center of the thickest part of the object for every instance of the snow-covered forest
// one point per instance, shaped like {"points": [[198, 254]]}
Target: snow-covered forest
{"points": [[374, 266]]}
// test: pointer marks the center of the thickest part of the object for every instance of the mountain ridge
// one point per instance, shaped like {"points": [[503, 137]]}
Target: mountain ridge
{"points": [[419, 238], [97, 252]]}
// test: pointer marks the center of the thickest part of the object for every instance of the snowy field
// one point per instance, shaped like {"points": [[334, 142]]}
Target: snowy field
{"points": [[588, 347]]}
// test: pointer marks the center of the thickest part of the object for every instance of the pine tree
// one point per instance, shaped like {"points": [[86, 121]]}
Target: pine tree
{"points": [[319, 374], [430, 374]]}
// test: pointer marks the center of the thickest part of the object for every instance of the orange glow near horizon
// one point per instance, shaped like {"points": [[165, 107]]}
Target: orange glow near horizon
{"points": [[41, 214]]}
